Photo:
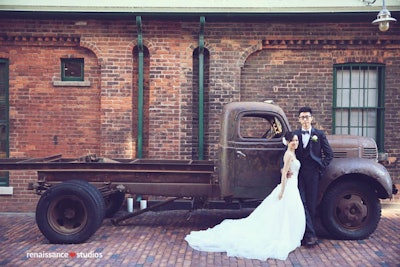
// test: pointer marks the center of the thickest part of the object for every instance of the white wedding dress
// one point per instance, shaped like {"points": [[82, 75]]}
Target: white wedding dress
{"points": [[272, 230]]}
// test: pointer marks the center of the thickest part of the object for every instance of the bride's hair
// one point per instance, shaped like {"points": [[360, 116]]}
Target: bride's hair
{"points": [[288, 138]]}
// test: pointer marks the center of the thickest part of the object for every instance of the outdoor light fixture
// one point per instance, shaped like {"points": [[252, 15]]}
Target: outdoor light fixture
{"points": [[383, 18]]}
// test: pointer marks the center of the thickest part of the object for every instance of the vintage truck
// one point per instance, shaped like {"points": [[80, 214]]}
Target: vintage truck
{"points": [[77, 194]]}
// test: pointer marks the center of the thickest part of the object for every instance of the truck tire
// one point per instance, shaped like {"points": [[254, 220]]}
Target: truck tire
{"points": [[113, 203], [350, 210], [94, 191], [69, 213]]}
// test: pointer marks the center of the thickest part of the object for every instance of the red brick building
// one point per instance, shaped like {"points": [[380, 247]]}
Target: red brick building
{"points": [[70, 80]]}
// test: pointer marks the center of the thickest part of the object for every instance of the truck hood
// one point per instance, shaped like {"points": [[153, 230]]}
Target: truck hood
{"points": [[353, 146]]}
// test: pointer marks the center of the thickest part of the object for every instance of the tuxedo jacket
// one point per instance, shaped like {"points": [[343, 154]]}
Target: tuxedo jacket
{"points": [[317, 150]]}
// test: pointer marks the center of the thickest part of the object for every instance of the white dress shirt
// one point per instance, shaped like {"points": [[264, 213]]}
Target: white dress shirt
{"points": [[305, 137]]}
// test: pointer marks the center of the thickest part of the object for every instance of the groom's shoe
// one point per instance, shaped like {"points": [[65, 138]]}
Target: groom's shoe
{"points": [[312, 241]]}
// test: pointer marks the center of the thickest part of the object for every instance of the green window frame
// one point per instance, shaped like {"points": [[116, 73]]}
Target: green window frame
{"points": [[4, 117], [358, 101], [72, 69]]}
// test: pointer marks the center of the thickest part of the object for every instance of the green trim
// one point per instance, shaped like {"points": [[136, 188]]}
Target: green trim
{"points": [[140, 87], [201, 89], [4, 99]]}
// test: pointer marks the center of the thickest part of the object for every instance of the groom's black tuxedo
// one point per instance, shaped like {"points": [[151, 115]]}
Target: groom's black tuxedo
{"points": [[318, 150], [313, 158]]}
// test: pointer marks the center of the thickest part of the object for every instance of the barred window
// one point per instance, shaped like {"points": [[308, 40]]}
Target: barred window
{"points": [[359, 101]]}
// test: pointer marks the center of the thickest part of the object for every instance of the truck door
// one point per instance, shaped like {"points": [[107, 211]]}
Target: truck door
{"points": [[258, 152]]}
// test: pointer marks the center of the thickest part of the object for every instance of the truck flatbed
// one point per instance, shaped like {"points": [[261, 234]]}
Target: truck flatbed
{"points": [[92, 163]]}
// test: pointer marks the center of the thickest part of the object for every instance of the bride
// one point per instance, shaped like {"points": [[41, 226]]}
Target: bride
{"points": [[272, 230]]}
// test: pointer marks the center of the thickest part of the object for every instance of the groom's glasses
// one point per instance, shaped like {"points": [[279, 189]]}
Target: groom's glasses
{"points": [[305, 117]]}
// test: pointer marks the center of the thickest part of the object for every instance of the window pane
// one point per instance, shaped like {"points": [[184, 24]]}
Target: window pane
{"points": [[355, 118], [343, 97], [370, 118], [356, 98], [258, 126], [343, 79], [371, 99], [342, 118], [355, 78], [72, 69], [371, 79], [253, 127]]}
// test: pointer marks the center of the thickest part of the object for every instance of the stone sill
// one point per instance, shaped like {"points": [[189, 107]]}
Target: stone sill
{"points": [[6, 191], [72, 83]]}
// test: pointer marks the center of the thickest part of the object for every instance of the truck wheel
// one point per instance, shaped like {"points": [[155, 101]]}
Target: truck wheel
{"points": [[69, 213], [350, 210], [114, 203], [101, 205]]}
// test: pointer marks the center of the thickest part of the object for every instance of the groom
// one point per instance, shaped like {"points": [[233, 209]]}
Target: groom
{"points": [[314, 153]]}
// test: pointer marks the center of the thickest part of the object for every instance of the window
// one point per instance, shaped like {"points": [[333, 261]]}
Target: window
{"points": [[4, 120], [359, 101], [260, 126], [72, 69]]}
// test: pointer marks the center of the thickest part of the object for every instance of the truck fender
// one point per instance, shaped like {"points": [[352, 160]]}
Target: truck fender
{"points": [[373, 172]]}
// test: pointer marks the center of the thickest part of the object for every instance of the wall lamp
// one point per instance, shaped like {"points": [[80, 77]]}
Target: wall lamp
{"points": [[383, 17]]}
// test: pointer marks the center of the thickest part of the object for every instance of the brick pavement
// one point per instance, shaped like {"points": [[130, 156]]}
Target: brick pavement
{"points": [[156, 239]]}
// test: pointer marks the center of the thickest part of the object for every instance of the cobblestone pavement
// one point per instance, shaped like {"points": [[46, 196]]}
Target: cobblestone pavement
{"points": [[157, 239]]}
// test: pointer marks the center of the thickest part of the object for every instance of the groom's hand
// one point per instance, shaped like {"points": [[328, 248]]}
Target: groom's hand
{"points": [[289, 174]]}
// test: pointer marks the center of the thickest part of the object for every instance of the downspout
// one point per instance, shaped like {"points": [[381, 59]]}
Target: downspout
{"points": [[201, 89], [139, 152]]}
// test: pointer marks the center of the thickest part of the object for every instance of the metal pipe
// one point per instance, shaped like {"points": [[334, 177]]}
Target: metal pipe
{"points": [[139, 152], [201, 90]]}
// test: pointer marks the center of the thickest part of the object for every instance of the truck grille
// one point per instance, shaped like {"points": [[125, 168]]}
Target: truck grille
{"points": [[339, 154], [369, 153], [366, 153]]}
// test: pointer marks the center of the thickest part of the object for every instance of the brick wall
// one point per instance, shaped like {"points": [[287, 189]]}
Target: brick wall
{"points": [[290, 63]]}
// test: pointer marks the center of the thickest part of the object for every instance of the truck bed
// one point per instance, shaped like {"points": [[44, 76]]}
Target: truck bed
{"points": [[92, 163], [139, 176]]}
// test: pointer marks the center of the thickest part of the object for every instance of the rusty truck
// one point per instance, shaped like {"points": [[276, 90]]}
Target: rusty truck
{"points": [[78, 193]]}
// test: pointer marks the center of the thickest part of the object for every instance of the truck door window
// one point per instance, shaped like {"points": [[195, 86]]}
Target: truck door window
{"points": [[259, 126]]}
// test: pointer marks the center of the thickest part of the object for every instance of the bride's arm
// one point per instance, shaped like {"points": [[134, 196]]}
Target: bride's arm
{"points": [[287, 158]]}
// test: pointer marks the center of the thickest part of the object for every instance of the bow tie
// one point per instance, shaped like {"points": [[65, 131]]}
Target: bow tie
{"points": [[305, 132]]}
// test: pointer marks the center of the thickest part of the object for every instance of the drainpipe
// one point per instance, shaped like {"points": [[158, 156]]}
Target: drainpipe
{"points": [[201, 89], [139, 152]]}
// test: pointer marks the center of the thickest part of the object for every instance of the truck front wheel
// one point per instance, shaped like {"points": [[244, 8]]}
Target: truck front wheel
{"points": [[350, 210], [69, 213]]}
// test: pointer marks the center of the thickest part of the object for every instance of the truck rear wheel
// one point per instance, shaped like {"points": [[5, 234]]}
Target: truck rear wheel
{"points": [[350, 210], [69, 213], [112, 203], [100, 202]]}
